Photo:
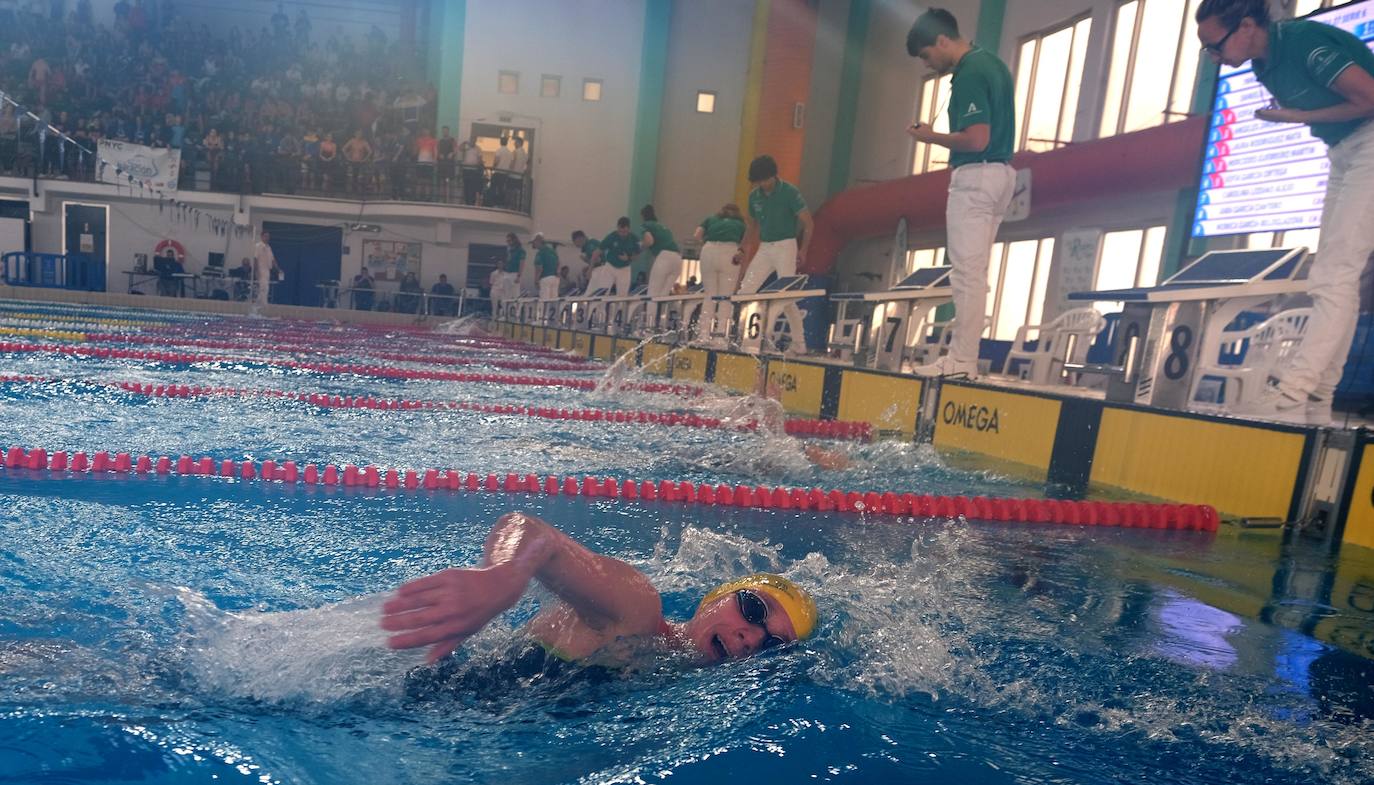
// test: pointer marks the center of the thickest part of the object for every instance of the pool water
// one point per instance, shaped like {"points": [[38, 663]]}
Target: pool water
{"points": [[172, 629]]}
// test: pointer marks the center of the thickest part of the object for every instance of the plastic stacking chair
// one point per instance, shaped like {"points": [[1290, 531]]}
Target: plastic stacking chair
{"points": [[1233, 370], [1066, 339]]}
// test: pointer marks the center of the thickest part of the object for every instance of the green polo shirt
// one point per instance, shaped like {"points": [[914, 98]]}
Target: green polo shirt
{"points": [[614, 245], [1305, 57], [722, 230], [589, 247], [663, 239], [776, 213], [514, 258], [546, 259], [982, 93]]}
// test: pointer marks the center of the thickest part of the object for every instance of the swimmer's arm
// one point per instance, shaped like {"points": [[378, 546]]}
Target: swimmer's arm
{"points": [[444, 609]]}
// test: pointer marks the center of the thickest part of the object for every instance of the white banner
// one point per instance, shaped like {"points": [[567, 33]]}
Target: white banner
{"points": [[153, 168]]}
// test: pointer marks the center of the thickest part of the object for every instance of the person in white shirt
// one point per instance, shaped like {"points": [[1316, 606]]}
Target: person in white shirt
{"points": [[520, 166], [500, 174], [264, 265], [472, 171]]}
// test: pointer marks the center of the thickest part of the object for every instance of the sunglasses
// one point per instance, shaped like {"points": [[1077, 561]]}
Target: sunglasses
{"points": [[1219, 45], [755, 611]]}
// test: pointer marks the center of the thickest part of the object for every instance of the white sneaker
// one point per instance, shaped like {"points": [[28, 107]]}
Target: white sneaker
{"points": [[1273, 404], [948, 366]]}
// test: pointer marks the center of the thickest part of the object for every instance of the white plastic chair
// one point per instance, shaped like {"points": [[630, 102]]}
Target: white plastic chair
{"points": [[932, 338], [1066, 339], [1263, 349]]}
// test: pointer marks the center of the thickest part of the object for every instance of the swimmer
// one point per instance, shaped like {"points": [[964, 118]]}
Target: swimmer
{"points": [[766, 402], [603, 603]]}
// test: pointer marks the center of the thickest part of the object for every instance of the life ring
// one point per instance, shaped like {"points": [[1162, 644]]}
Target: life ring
{"points": [[178, 249]]}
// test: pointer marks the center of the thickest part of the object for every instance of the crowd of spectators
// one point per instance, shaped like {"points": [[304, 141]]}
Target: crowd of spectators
{"points": [[278, 108]]}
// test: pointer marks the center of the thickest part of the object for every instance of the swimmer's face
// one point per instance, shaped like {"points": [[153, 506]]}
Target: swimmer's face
{"points": [[720, 631]]}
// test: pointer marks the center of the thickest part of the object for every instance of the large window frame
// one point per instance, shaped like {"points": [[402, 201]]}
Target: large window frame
{"points": [[1010, 310], [1031, 70], [1149, 243], [934, 98], [1134, 19]]}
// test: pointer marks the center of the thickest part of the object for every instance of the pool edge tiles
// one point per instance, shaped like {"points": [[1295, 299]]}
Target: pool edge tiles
{"points": [[866, 396], [1007, 425]]}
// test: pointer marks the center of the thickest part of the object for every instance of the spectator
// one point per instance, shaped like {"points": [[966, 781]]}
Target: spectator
{"points": [[473, 172], [400, 164], [213, 145], [358, 153], [443, 303], [426, 156], [408, 301], [243, 279], [519, 167], [362, 291], [448, 159], [500, 174], [328, 162]]}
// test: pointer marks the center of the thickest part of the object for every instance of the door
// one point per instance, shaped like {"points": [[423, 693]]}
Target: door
{"points": [[482, 260], [84, 228], [308, 256]]}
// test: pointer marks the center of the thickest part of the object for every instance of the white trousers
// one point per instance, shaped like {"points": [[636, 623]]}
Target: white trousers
{"points": [[719, 274], [1347, 240], [978, 198], [621, 277], [548, 287], [602, 277], [506, 287], [776, 257], [665, 272]]}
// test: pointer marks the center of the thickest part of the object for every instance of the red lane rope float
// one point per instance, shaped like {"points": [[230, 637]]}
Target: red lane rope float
{"points": [[1184, 517], [379, 371], [510, 365], [822, 429]]}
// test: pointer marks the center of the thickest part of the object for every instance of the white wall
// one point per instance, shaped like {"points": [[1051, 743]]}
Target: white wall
{"points": [[827, 66], [698, 154], [583, 149], [336, 18]]}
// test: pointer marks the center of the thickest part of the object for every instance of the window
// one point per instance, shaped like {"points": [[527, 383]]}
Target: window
{"points": [[508, 82], [1128, 259], [550, 86], [591, 89], [934, 99], [1017, 275], [1049, 71], [922, 258], [1154, 65], [1305, 7], [706, 101], [1292, 238]]}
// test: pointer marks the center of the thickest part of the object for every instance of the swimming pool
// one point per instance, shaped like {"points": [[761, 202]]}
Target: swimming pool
{"points": [[168, 628]]}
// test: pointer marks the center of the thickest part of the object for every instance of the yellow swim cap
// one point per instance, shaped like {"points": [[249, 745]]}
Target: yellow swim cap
{"points": [[800, 608]]}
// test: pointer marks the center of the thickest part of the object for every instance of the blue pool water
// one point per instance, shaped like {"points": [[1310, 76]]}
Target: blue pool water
{"points": [[189, 630]]}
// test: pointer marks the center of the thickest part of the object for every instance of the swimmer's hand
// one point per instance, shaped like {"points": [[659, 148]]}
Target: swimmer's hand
{"points": [[444, 609]]}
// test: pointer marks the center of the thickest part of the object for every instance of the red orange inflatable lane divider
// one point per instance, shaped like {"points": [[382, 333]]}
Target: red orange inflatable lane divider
{"points": [[822, 429], [379, 371], [1186, 517]]}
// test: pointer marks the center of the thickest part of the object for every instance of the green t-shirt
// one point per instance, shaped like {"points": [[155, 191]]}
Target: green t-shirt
{"points": [[723, 230], [589, 247], [663, 239], [514, 258], [615, 244], [776, 213], [1305, 57], [546, 259], [982, 93]]}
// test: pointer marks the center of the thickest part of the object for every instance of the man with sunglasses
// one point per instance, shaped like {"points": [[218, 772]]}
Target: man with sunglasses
{"points": [[603, 603], [1324, 77]]}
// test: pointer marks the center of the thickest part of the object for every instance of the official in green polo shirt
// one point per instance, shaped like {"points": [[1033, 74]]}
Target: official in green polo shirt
{"points": [[982, 123], [546, 263], [720, 236], [666, 267], [507, 283], [1324, 77], [619, 249], [779, 220]]}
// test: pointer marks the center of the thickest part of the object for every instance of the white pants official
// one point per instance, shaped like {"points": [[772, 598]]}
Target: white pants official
{"points": [[505, 287], [719, 274], [776, 257], [978, 198], [602, 277], [548, 287], [1347, 240], [621, 277], [665, 272]]}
